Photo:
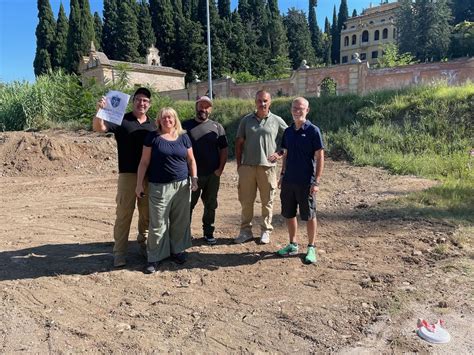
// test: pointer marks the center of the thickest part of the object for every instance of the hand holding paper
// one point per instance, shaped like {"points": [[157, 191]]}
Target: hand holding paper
{"points": [[115, 105]]}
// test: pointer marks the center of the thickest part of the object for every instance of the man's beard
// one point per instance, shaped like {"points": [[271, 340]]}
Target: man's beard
{"points": [[202, 115]]}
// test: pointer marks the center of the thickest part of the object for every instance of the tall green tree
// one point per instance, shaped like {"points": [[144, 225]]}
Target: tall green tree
{"points": [[277, 31], [316, 35], [60, 40], [127, 33], [87, 26], [299, 38], [245, 11], [146, 34], [98, 31], [334, 38], [238, 46], [406, 27], [109, 30], [327, 42], [164, 27], [354, 13], [433, 29], [73, 37], [462, 10], [45, 32], [224, 8], [342, 17]]}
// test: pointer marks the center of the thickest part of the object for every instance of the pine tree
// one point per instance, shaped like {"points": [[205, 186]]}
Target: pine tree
{"points": [[45, 33], [73, 37], [334, 38], [224, 8], [98, 31], [109, 30], [60, 41], [314, 29], [163, 25], [145, 30], [342, 17], [127, 34], [299, 38]]}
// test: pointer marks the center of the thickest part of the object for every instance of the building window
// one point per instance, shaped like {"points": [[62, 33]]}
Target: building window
{"points": [[354, 39], [346, 41], [365, 36], [385, 33], [394, 33], [376, 35], [344, 59], [363, 56], [371, 22], [382, 20], [375, 54], [353, 26]]}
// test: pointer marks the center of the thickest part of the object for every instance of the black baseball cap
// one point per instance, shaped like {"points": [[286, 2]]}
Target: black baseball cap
{"points": [[143, 91]]}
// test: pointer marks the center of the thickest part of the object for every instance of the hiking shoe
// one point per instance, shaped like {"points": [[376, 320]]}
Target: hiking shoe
{"points": [[151, 267], [210, 240], [290, 249], [179, 258], [242, 238], [119, 261], [265, 238], [310, 257]]}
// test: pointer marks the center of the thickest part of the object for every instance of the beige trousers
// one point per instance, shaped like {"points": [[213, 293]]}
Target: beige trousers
{"points": [[126, 200], [251, 178]]}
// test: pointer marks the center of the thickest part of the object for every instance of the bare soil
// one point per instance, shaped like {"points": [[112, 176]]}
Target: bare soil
{"points": [[380, 267]]}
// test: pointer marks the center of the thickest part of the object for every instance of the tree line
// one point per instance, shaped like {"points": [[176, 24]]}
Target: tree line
{"points": [[254, 41]]}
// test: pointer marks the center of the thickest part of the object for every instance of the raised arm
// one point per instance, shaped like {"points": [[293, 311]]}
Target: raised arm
{"points": [[98, 124]]}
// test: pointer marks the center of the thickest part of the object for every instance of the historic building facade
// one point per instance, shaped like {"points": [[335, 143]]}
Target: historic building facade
{"points": [[96, 65], [368, 33]]}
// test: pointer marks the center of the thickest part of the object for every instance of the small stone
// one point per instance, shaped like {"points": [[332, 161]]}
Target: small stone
{"points": [[443, 304], [121, 327], [417, 253]]}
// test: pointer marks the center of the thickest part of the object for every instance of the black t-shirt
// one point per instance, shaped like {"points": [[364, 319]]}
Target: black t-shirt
{"points": [[130, 136], [207, 138], [168, 161]]}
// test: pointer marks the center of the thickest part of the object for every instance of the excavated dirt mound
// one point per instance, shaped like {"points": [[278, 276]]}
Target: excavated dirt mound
{"points": [[380, 267]]}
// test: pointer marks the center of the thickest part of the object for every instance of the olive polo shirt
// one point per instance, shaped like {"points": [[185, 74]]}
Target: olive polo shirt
{"points": [[260, 138], [130, 136]]}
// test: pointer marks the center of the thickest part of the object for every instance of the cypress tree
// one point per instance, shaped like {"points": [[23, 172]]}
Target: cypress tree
{"points": [[342, 17], [334, 38], [433, 29], [239, 48], [60, 42], [109, 30], [163, 25], [73, 37], [224, 8], [406, 26], [245, 11], [327, 41], [462, 10], [299, 38], [98, 31], [87, 34], [127, 34], [314, 29], [45, 33], [277, 30], [192, 55], [145, 30], [354, 13]]}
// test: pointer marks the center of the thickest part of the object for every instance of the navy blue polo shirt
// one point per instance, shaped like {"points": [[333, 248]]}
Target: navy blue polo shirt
{"points": [[301, 145], [168, 162], [208, 138], [130, 136]]}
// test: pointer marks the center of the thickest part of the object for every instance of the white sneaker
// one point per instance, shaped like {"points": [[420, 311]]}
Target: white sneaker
{"points": [[265, 238], [242, 238]]}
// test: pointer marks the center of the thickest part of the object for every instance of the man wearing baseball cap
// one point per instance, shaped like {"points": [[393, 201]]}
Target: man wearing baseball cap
{"points": [[210, 151], [129, 136]]}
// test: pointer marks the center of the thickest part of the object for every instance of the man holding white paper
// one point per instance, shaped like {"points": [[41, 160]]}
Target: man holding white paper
{"points": [[130, 132]]}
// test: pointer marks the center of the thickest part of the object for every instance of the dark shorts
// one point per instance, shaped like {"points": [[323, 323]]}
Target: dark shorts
{"points": [[294, 195]]}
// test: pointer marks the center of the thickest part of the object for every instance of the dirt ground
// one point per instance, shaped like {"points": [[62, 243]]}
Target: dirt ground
{"points": [[380, 267]]}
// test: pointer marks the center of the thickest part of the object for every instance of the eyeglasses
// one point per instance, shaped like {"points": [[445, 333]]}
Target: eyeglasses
{"points": [[146, 101]]}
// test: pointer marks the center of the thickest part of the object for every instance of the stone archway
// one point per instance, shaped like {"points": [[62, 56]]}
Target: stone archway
{"points": [[327, 87]]}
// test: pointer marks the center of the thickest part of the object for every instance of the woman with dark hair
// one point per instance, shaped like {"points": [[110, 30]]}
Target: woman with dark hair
{"points": [[168, 157]]}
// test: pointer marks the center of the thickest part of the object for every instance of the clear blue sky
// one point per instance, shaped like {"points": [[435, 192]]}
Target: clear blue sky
{"points": [[19, 18]]}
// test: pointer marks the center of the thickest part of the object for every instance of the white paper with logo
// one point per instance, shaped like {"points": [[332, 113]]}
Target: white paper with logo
{"points": [[115, 107]]}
